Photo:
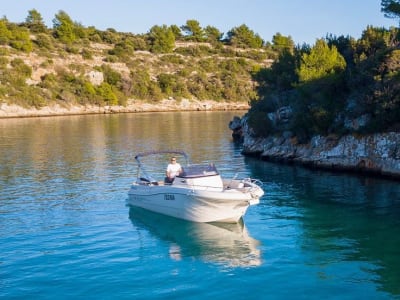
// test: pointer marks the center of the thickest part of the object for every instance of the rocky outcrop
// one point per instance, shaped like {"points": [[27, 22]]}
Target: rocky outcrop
{"points": [[236, 125], [376, 153]]}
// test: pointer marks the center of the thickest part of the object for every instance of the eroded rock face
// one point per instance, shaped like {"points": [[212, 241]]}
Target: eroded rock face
{"points": [[236, 125], [375, 153]]}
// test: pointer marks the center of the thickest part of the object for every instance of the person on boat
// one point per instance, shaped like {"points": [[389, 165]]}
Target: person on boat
{"points": [[173, 169]]}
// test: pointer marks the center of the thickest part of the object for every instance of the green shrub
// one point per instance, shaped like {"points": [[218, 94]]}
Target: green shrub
{"points": [[48, 81], [111, 59], [260, 123], [111, 76], [20, 39], [44, 41], [21, 68], [86, 54], [172, 58], [5, 33], [72, 50], [3, 62], [106, 92]]}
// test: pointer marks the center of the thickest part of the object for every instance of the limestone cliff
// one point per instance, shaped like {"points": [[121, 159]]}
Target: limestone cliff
{"points": [[376, 153]]}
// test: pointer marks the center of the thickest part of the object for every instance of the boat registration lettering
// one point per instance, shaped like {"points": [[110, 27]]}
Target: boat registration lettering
{"points": [[169, 197]]}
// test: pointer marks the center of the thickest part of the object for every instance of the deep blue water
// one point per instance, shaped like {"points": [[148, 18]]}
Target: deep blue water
{"points": [[66, 233]]}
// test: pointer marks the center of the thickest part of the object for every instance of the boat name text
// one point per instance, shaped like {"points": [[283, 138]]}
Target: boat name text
{"points": [[169, 197]]}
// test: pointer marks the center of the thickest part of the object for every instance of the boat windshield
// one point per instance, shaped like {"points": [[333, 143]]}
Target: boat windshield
{"points": [[192, 171]]}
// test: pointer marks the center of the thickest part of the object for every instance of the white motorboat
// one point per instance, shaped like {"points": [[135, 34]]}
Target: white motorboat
{"points": [[198, 194]]}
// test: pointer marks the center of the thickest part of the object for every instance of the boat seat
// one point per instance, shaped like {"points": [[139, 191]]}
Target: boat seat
{"points": [[168, 181], [148, 181]]}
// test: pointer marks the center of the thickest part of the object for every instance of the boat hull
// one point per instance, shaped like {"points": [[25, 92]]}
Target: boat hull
{"points": [[193, 205]]}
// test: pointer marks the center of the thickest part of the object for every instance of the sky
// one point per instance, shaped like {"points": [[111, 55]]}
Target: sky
{"points": [[303, 20]]}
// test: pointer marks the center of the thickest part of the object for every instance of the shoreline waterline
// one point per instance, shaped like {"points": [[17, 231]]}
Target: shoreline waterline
{"points": [[133, 106]]}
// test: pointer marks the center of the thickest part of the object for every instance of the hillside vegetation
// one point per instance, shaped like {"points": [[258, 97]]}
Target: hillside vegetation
{"points": [[338, 86], [72, 64]]}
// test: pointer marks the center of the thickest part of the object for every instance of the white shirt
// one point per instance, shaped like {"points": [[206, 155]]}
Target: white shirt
{"points": [[173, 169]]}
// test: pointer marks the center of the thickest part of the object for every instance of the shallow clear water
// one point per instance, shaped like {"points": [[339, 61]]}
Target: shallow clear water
{"points": [[65, 231]]}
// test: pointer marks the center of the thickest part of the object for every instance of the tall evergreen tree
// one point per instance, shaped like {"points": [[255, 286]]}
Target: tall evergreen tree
{"points": [[212, 34], [177, 32], [244, 37], [391, 8], [193, 30], [282, 43], [64, 28], [162, 39], [35, 22], [321, 61]]}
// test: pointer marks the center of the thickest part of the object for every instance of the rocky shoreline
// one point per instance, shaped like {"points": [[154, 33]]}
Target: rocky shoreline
{"points": [[59, 109], [375, 154]]}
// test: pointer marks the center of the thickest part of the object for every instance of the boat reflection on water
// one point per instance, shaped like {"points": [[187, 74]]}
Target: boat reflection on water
{"points": [[228, 244]]}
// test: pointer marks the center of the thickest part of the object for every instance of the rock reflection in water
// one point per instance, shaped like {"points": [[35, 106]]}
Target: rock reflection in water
{"points": [[221, 243]]}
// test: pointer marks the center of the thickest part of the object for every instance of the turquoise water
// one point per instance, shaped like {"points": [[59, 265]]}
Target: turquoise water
{"points": [[65, 231]]}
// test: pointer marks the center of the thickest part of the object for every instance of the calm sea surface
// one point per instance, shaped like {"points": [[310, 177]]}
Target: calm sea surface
{"points": [[66, 233]]}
